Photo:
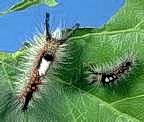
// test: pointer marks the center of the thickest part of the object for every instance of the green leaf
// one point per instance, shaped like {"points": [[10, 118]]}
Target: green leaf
{"points": [[24, 4], [60, 102], [67, 96]]}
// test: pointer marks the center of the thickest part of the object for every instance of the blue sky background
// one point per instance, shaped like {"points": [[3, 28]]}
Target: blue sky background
{"points": [[15, 28]]}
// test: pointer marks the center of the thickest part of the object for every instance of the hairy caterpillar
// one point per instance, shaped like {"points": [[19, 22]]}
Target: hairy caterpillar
{"points": [[44, 54], [111, 74]]}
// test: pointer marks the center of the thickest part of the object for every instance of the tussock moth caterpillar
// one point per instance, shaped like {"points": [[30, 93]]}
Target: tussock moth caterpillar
{"points": [[110, 74], [43, 54]]}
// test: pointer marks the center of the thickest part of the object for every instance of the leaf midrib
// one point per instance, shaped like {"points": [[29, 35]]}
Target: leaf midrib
{"points": [[105, 103], [133, 29], [127, 98]]}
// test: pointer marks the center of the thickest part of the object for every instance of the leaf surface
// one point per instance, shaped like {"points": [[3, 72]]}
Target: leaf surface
{"points": [[67, 97], [24, 4]]}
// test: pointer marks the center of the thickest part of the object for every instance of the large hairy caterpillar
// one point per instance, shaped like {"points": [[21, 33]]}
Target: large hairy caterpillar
{"points": [[44, 53], [111, 74]]}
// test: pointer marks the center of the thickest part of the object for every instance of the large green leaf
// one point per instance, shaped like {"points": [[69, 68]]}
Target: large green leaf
{"points": [[23, 4], [67, 96]]}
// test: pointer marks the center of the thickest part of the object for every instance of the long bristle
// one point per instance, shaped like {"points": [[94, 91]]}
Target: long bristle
{"points": [[116, 71]]}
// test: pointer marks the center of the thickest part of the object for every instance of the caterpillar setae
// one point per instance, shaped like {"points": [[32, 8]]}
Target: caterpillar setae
{"points": [[43, 54], [109, 75]]}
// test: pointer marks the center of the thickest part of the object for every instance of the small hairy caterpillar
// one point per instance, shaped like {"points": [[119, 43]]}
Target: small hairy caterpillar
{"points": [[44, 54], [111, 74]]}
